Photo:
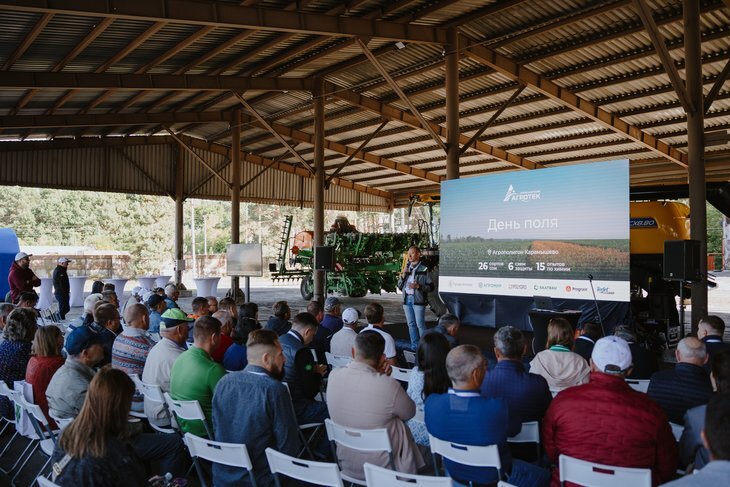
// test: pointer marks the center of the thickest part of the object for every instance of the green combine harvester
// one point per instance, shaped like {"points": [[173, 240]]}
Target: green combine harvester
{"points": [[363, 261]]}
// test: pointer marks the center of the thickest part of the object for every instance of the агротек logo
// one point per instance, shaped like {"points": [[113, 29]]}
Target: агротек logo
{"points": [[513, 195]]}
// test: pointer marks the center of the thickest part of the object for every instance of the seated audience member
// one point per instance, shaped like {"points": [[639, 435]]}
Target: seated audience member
{"points": [[691, 448], [463, 416], [97, 287], [132, 346], [428, 377], [527, 395], [229, 304], [87, 317], [342, 342], [28, 299], [375, 314], [171, 296], [301, 373], [100, 449], [226, 329], [711, 330], [267, 421], [94, 442], [448, 326], [561, 367], [200, 308], [320, 342], [212, 304], [5, 310], [588, 335], [235, 357], [363, 396], [646, 362], [280, 321], [157, 306], [46, 360], [331, 320], [15, 352], [110, 296], [174, 334], [716, 438], [67, 389], [108, 324], [134, 298], [248, 315], [195, 374], [605, 421], [686, 385], [109, 286]]}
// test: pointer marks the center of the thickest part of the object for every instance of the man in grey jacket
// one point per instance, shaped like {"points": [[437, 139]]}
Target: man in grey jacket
{"points": [[67, 390], [416, 283]]}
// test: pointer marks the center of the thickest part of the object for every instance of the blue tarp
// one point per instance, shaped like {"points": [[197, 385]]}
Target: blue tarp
{"points": [[8, 248]]}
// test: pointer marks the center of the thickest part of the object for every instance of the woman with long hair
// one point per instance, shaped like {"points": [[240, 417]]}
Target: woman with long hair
{"points": [[558, 364], [91, 450], [45, 361], [428, 377], [19, 331]]}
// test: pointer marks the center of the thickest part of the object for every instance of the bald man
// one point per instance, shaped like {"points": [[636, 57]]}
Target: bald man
{"points": [[134, 343], [685, 386]]}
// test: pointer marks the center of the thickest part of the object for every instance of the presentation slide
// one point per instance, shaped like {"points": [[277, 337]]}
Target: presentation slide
{"points": [[545, 232]]}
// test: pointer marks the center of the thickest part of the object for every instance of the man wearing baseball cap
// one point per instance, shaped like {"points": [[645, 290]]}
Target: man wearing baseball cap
{"points": [[332, 320], [607, 422], [343, 341], [61, 286], [21, 278], [157, 306]]}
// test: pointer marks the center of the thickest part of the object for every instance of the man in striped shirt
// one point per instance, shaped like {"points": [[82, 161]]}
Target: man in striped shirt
{"points": [[131, 347]]}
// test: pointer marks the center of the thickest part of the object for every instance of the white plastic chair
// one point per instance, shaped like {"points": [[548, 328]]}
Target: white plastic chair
{"points": [[403, 375], [61, 422], [472, 455], [44, 482], [136, 414], [638, 385], [9, 394], [337, 361], [502, 483], [677, 430], [591, 474], [315, 427], [153, 392], [188, 410], [378, 476], [230, 454], [46, 437], [410, 357], [319, 473], [373, 440], [530, 433]]}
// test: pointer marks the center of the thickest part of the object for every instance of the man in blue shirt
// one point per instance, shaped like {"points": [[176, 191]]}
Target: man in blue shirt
{"points": [[527, 395], [463, 416], [267, 420], [157, 306]]}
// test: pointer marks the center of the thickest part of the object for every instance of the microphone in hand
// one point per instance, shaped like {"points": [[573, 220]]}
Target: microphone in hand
{"points": [[590, 277]]}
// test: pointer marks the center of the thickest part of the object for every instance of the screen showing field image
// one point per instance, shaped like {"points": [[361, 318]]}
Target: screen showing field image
{"points": [[538, 232]]}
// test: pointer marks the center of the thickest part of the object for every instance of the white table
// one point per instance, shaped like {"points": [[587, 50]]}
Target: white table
{"points": [[45, 296], [77, 290], [147, 282], [118, 287], [162, 281], [206, 286]]}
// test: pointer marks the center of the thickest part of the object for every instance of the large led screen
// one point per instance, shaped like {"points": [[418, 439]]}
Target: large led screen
{"points": [[545, 232]]}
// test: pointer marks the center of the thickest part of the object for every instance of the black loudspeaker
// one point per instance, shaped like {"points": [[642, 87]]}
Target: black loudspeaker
{"points": [[324, 258], [682, 260]]}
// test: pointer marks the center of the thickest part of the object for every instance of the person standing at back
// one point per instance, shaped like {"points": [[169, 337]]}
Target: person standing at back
{"points": [[21, 278], [62, 287]]}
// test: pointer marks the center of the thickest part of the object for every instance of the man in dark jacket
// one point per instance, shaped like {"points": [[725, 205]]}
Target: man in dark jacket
{"points": [[61, 287], [280, 321], [711, 330], [416, 283], [687, 385], [605, 421], [588, 335], [21, 278]]}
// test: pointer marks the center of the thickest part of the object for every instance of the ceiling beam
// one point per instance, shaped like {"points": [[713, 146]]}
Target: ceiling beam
{"points": [[155, 82], [712, 94], [518, 72], [492, 119], [197, 157], [27, 41], [392, 113], [141, 170], [111, 119], [234, 16], [349, 159], [473, 15]]}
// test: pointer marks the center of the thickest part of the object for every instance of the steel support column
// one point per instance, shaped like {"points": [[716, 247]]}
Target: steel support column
{"points": [[696, 151], [452, 104], [235, 190], [319, 276], [179, 198]]}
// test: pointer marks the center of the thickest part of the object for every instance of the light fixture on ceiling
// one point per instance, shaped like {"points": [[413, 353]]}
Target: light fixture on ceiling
{"points": [[400, 45]]}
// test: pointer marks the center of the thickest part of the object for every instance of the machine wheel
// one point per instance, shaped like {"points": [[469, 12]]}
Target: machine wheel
{"points": [[358, 293], [307, 288]]}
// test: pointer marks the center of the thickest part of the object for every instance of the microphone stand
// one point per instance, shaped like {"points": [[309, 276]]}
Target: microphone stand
{"points": [[595, 301]]}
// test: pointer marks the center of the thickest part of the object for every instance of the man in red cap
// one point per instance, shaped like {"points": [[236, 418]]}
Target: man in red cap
{"points": [[21, 278]]}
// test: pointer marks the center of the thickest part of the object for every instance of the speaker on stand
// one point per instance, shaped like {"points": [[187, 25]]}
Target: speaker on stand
{"points": [[682, 264], [324, 260]]}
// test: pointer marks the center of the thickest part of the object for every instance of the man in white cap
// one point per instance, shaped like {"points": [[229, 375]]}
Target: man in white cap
{"points": [[343, 341], [605, 421], [21, 278], [61, 286]]}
